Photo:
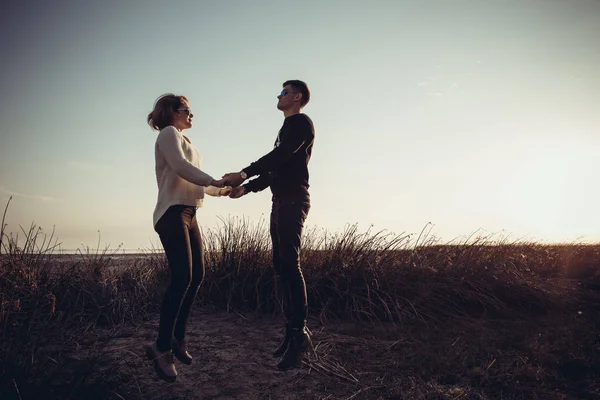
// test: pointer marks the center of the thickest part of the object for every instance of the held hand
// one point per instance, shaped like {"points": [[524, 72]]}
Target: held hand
{"points": [[233, 179], [220, 183], [237, 192], [225, 191]]}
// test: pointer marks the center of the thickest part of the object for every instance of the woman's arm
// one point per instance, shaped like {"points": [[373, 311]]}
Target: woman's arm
{"points": [[217, 191], [169, 143]]}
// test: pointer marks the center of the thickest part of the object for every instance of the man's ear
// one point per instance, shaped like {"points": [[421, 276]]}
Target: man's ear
{"points": [[298, 97]]}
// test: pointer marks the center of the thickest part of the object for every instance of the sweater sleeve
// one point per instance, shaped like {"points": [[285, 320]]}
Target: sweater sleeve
{"points": [[292, 137], [169, 143], [212, 191], [258, 184]]}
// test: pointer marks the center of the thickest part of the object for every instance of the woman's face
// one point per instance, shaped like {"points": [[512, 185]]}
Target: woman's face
{"points": [[182, 118]]}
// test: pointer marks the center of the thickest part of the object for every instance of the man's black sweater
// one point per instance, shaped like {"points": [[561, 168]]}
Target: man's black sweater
{"points": [[285, 168]]}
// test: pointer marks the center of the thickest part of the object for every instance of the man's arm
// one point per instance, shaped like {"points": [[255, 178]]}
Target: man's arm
{"points": [[255, 185], [291, 138], [261, 183]]}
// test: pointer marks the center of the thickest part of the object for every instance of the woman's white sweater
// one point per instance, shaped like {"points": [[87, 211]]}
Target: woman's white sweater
{"points": [[178, 175]]}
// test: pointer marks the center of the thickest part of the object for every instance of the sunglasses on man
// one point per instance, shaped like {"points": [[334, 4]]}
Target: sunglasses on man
{"points": [[284, 92]]}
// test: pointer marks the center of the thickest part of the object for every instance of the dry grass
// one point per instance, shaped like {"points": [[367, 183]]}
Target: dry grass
{"points": [[479, 319]]}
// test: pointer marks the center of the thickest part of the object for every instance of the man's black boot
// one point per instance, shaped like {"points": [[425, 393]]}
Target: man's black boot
{"points": [[299, 343], [286, 341]]}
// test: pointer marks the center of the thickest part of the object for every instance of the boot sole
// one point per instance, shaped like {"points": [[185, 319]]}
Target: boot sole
{"points": [[150, 355]]}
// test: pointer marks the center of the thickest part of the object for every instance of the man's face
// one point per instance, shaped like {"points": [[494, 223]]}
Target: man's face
{"points": [[287, 98]]}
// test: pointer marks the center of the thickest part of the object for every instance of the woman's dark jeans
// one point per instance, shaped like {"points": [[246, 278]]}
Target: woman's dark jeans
{"points": [[287, 222], [180, 236]]}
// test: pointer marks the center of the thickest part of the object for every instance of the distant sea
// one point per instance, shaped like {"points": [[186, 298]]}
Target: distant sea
{"points": [[114, 252]]}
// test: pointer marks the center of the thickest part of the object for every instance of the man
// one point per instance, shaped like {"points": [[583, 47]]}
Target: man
{"points": [[285, 170]]}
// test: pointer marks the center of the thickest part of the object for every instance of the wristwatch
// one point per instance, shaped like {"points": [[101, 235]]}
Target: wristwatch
{"points": [[243, 174]]}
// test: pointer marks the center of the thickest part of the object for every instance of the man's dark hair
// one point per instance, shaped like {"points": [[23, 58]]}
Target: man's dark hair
{"points": [[299, 87]]}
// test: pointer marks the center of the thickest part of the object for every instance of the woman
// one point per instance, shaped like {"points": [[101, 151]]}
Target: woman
{"points": [[181, 188]]}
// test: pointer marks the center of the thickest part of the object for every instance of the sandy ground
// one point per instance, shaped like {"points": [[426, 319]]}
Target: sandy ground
{"points": [[232, 360]]}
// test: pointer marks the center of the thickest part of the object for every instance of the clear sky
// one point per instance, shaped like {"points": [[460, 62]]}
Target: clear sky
{"points": [[469, 114]]}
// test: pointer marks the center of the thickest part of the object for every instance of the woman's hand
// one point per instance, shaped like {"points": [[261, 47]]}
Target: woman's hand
{"points": [[225, 191]]}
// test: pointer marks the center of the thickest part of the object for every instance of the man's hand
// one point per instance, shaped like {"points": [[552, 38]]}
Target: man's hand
{"points": [[233, 179], [225, 191], [237, 192]]}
